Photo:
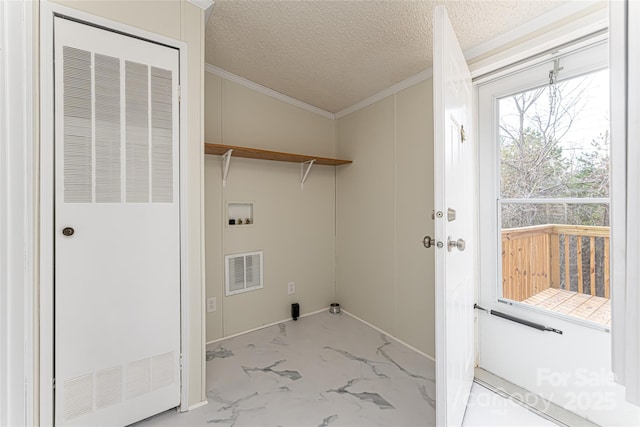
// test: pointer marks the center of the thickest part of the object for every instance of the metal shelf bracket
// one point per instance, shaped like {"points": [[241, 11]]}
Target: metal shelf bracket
{"points": [[305, 168], [226, 160]]}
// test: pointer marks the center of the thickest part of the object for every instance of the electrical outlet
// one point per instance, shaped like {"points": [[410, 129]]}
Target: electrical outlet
{"points": [[212, 304], [291, 288]]}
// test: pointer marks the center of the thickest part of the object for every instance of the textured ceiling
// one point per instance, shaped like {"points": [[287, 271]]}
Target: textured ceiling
{"points": [[332, 54]]}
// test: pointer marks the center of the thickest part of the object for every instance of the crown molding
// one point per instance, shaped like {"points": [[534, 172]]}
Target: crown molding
{"points": [[202, 4], [592, 16], [266, 91], [391, 90]]}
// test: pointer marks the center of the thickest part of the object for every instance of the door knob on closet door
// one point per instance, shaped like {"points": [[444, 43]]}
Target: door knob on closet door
{"points": [[459, 244], [68, 231]]}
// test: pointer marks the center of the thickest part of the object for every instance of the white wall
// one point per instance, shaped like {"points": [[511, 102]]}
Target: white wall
{"points": [[384, 201], [294, 227]]}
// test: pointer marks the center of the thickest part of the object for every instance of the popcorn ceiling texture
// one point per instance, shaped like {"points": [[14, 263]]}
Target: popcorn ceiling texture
{"points": [[332, 54]]}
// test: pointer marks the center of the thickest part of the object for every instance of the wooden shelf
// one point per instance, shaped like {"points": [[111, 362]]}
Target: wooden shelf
{"points": [[254, 153]]}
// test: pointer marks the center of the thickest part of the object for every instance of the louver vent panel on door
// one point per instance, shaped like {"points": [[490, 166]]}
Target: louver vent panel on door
{"points": [[78, 396], [137, 139], [138, 378], [243, 272], [107, 129], [161, 135], [162, 368], [143, 376], [108, 387], [78, 177], [95, 167]]}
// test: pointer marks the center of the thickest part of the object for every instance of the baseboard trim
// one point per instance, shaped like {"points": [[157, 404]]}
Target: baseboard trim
{"points": [[399, 341], [198, 405], [265, 326], [539, 406]]}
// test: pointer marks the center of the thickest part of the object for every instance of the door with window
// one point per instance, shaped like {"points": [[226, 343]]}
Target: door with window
{"points": [[545, 228]]}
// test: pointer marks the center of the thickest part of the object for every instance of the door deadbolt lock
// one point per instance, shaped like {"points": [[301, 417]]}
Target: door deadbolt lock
{"points": [[459, 244], [429, 242], [68, 231]]}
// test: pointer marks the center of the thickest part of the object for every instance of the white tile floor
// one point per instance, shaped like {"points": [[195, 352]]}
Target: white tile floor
{"points": [[326, 370]]}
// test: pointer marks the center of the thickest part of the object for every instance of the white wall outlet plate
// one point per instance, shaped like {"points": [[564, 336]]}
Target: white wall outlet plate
{"points": [[212, 304], [291, 288]]}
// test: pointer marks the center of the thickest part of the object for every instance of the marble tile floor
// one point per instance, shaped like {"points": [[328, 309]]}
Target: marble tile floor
{"points": [[328, 370], [321, 370]]}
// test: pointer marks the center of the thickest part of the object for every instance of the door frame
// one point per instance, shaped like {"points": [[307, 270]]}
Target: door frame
{"points": [[48, 11], [17, 214], [559, 392]]}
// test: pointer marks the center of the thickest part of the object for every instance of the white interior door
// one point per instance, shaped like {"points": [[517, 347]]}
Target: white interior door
{"points": [[117, 227], [456, 218]]}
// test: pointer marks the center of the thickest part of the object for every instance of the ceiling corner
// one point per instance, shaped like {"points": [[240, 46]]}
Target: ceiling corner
{"points": [[202, 4]]}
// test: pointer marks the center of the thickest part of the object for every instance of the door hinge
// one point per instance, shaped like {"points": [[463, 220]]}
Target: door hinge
{"points": [[53, 382], [179, 93], [180, 361]]}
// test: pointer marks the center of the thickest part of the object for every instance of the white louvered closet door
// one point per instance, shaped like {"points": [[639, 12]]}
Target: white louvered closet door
{"points": [[117, 272]]}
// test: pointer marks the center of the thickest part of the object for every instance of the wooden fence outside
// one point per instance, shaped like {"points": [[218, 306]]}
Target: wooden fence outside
{"points": [[540, 257]]}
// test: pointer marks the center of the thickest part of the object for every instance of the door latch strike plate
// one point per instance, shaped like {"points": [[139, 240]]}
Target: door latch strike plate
{"points": [[451, 214]]}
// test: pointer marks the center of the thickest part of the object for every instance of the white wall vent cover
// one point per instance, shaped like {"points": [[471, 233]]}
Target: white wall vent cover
{"points": [[243, 272]]}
